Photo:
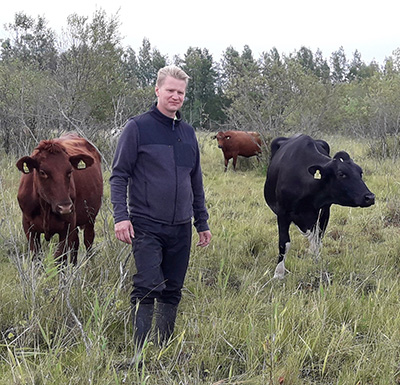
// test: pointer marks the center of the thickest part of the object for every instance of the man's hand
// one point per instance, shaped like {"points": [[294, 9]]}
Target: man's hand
{"points": [[124, 231], [204, 238]]}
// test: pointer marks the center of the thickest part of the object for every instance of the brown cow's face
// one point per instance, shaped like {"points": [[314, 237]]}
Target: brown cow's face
{"points": [[53, 182], [221, 138], [53, 177]]}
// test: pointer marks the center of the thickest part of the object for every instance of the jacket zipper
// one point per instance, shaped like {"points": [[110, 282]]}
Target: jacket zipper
{"points": [[176, 178]]}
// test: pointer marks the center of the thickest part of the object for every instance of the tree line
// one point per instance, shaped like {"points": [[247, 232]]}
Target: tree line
{"points": [[85, 80]]}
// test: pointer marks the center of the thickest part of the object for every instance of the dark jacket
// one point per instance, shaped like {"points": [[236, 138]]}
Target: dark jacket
{"points": [[158, 158]]}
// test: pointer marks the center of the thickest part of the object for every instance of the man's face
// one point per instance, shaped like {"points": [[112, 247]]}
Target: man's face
{"points": [[170, 96]]}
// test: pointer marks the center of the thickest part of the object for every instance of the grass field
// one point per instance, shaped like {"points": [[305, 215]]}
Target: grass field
{"points": [[335, 320]]}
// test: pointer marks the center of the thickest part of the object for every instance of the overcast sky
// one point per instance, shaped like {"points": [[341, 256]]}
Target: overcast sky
{"points": [[371, 27]]}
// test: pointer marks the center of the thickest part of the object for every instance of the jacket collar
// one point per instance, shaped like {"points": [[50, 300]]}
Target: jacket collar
{"points": [[164, 118]]}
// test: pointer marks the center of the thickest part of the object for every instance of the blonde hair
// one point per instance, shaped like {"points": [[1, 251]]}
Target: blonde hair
{"points": [[173, 71]]}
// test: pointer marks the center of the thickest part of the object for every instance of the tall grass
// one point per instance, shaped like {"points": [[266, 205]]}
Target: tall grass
{"points": [[334, 320]]}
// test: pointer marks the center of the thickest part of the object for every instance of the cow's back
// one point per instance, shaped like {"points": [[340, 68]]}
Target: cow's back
{"points": [[245, 143], [75, 145]]}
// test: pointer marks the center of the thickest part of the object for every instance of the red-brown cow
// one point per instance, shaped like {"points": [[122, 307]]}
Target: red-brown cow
{"points": [[61, 189], [234, 143]]}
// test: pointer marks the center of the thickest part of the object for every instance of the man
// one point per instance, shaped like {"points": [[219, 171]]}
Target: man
{"points": [[157, 165]]}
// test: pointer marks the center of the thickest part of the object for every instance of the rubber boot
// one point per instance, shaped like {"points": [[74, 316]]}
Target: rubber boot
{"points": [[142, 316], [165, 321]]}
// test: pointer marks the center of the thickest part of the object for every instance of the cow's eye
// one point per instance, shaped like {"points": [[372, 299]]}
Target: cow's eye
{"points": [[43, 174], [342, 175]]}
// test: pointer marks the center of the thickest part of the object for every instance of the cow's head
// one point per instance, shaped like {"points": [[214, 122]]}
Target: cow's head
{"points": [[52, 170], [343, 180], [221, 138]]}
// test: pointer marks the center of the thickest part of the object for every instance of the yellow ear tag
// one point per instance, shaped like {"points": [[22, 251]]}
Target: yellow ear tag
{"points": [[26, 168], [317, 175], [81, 165]]}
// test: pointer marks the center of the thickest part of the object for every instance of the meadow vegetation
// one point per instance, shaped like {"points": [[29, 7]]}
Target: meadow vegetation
{"points": [[332, 320]]}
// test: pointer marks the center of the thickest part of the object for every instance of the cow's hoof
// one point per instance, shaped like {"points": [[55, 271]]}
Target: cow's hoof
{"points": [[280, 270], [279, 275]]}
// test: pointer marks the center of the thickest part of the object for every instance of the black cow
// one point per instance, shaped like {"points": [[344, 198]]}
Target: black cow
{"points": [[302, 183]]}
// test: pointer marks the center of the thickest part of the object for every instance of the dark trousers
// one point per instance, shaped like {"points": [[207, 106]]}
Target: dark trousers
{"points": [[161, 256]]}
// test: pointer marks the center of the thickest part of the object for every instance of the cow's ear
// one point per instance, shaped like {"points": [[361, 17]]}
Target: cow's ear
{"points": [[315, 171], [80, 162], [27, 164], [343, 156]]}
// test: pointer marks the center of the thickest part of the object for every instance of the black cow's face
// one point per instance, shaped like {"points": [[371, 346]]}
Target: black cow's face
{"points": [[344, 181]]}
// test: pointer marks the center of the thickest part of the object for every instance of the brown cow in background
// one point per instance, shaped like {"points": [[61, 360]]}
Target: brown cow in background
{"points": [[60, 190], [234, 143]]}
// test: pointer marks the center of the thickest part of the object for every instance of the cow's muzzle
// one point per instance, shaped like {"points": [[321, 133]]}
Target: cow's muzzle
{"points": [[65, 208], [369, 200]]}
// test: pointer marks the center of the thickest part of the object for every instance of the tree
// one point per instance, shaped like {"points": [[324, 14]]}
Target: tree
{"points": [[90, 75], [339, 66], [148, 63], [246, 90], [130, 65], [26, 112], [358, 70], [305, 58], [313, 63], [32, 43], [322, 70], [201, 91], [28, 60]]}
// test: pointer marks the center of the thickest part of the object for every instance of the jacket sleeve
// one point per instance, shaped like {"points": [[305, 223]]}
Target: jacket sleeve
{"points": [[199, 208], [122, 169]]}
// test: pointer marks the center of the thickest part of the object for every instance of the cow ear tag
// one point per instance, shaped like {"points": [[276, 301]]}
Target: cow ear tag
{"points": [[317, 175], [81, 165], [25, 168]]}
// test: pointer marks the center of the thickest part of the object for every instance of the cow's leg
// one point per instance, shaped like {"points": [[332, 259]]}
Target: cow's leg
{"points": [[34, 242], [33, 238], [68, 243], [88, 235], [60, 254], [234, 162], [319, 230], [226, 164], [284, 245], [73, 245], [323, 220]]}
